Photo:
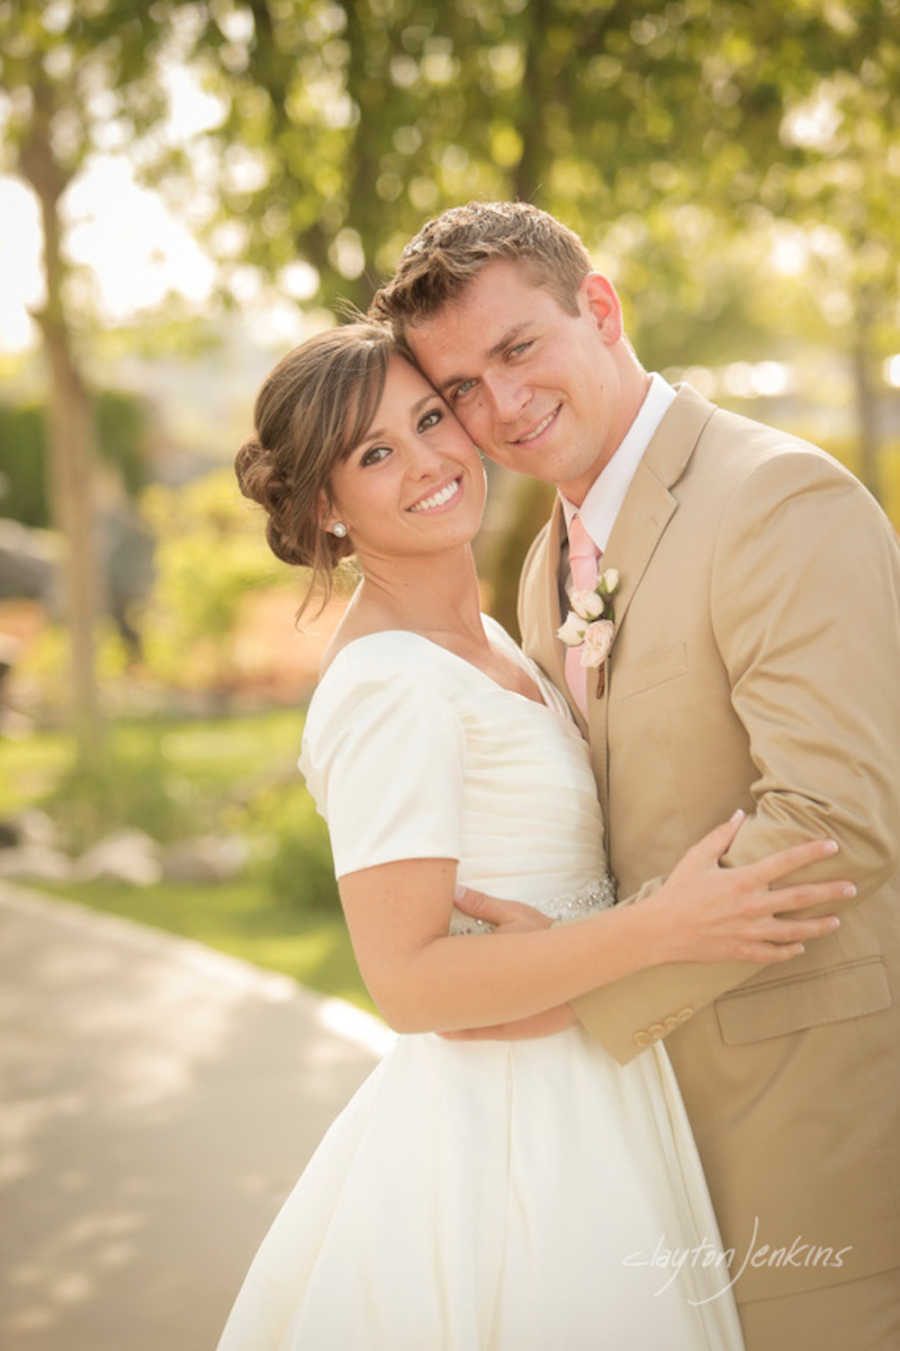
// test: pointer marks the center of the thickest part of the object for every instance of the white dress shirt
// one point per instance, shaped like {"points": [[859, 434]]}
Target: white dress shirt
{"points": [[606, 494]]}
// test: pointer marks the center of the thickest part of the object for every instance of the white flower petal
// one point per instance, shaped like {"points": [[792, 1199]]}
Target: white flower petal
{"points": [[597, 643], [572, 631], [587, 604]]}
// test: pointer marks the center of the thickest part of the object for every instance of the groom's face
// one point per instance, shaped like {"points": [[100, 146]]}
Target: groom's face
{"points": [[538, 389]]}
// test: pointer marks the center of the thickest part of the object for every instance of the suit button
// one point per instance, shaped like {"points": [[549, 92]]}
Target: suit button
{"points": [[684, 1014], [671, 1022], [642, 1039], [656, 1031]]}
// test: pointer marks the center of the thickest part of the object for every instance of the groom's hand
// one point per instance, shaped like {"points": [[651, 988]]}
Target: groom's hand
{"points": [[509, 916]]}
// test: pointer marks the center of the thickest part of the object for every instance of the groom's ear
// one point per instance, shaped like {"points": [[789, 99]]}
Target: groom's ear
{"points": [[597, 298]]}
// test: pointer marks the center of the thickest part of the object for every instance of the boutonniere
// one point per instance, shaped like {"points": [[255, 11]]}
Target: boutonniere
{"points": [[590, 623]]}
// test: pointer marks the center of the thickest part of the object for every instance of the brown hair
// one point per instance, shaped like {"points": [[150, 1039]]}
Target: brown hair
{"points": [[313, 408], [438, 264]]}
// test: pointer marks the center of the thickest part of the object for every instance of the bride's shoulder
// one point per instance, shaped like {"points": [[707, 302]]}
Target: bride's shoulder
{"points": [[384, 666], [379, 686], [363, 637], [368, 657]]}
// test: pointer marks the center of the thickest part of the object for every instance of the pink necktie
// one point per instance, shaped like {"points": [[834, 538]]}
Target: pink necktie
{"points": [[583, 559]]}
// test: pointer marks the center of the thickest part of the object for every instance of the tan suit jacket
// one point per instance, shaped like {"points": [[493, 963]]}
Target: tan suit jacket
{"points": [[756, 663]]}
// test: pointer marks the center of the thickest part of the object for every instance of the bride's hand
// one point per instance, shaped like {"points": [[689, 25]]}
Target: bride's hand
{"points": [[708, 913]]}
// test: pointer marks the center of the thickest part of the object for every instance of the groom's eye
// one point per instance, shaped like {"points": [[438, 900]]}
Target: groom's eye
{"points": [[463, 389]]}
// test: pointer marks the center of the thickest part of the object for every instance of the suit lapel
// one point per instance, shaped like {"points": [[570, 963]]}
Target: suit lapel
{"points": [[639, 526], [541, 609], [648, 507]]}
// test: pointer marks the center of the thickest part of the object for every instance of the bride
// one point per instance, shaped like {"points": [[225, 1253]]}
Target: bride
{"points": [[520, 1194]]}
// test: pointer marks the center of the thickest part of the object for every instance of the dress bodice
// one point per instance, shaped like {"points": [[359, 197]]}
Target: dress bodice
{"points": [[412, 752]]}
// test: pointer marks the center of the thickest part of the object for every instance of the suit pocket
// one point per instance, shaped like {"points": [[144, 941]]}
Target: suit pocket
{"points": [[812, 1000], [647, 671]]}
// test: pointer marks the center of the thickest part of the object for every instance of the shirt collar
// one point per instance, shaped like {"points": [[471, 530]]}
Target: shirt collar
{"points": [[606, 494]]}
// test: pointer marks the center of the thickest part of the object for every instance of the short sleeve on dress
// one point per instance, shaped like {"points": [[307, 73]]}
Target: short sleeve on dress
{"points": [[383, 758]]}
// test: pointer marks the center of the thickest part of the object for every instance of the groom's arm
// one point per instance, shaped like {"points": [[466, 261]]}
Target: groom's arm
{"points": [[805, 606]]}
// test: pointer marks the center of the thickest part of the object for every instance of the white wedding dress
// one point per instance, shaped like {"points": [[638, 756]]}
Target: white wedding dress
{"points": [[483, 1196]]}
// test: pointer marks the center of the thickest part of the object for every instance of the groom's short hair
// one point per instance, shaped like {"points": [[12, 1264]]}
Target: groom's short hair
{"points": [[450, 250]]}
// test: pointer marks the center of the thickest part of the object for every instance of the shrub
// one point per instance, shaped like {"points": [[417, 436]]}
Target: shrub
{"points": [[296, 866], [129, 785], [211, 552], [22, 469]]}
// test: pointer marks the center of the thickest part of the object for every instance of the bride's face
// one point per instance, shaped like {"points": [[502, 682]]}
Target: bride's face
{"points": [[415, 483]]}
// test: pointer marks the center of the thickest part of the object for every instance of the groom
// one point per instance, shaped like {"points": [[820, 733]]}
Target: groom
{"points": [[755, 662]]}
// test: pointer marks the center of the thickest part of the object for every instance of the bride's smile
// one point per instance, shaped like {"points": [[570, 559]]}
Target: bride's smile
{"points": [[445, 498]]}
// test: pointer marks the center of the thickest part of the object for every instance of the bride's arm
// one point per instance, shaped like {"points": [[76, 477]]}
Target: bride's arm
{"points": [[545, 1024], [426, 981]]}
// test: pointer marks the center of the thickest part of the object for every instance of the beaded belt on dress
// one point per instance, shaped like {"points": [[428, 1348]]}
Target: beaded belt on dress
{"points": [[568, 909]]}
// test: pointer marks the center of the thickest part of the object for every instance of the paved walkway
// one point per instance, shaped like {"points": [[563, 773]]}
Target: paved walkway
{"points": [[157, 1101]]}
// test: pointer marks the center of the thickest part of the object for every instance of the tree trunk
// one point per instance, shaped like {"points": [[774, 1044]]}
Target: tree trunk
{"points": [[866, 398], [71, 440], [363, 208], [273, 69], [71, 435], [528, 184]]}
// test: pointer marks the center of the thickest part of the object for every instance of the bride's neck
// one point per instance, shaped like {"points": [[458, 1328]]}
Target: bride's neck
{"points": [[433, 595]]}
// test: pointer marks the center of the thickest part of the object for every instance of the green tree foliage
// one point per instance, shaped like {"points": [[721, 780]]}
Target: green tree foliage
{"points": [[120, 426], [660, 131], [345, 124], [842, 199], [22, 470], [122, 423]]}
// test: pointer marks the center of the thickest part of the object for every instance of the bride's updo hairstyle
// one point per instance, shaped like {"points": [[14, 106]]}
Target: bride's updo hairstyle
{"points": [[313, 409]]}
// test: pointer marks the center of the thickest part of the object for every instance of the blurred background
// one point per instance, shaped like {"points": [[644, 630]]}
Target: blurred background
{"points": [[189, 189]]}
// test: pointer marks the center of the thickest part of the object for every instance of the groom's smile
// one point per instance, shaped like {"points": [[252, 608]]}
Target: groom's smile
{"points": [[528, 437]]}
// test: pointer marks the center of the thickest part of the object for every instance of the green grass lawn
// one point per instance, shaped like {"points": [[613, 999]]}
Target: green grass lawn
{"points": [[238, 918], [30, 768], [220, 764], [216, 754]]}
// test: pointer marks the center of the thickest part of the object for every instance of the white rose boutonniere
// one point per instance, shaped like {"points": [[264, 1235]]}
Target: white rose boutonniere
{"points": [[573, 630], [588, 604], [597, 642], [590, 622]]}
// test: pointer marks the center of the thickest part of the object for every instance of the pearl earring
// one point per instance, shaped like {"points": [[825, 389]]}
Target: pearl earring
{"points": [[339, 529]]}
